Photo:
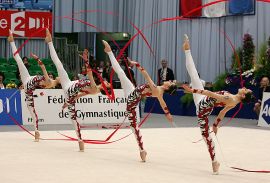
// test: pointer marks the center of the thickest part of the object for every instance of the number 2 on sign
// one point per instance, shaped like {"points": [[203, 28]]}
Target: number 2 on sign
{"points": [[18, 23]]}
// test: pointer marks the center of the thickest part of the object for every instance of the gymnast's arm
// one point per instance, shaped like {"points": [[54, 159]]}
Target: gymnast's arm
{"points": [[89, 70], [165, 108], [42, 66], [147, 77], [220, 98], [91, 78], [220, 117]]}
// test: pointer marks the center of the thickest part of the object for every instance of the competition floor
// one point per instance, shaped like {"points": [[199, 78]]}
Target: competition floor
{"points": [[172, 157]]}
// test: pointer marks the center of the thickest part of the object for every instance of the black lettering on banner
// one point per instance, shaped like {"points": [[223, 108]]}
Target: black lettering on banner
{"points": [[94, 114], [61, 100], [63, 114], [115, 113], [99, 99], [56, 100], [118, 100], [84, 101], [105, 114], [30, 120]]}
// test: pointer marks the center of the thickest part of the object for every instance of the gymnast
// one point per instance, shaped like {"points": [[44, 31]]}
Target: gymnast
{"points": [[206, 100], [30, 83], [134, 95]]}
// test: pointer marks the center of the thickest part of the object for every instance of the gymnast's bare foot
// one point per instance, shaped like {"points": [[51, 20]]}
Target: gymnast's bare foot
{"points": [[143, 155], [81, 146], [37, 136], [215, 166], [107, 46], [10, 37], [48, 36]]}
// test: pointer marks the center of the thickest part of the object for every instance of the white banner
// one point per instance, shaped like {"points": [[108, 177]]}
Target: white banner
{"points": [[264, 118], [91, 109]]}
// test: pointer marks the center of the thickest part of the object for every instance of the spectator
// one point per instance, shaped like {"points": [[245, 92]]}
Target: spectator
{"points": [[20, 84], [164, 73], [83, 74], [101, 67], [264, 87], [2, 78], [25, 61], [74, 78], [20, 87], [106, 70], [51, 76]]}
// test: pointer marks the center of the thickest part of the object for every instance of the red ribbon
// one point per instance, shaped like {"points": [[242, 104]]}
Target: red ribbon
{"points": [[106, 141], [112, 126], [27, 131], [252, 171]]}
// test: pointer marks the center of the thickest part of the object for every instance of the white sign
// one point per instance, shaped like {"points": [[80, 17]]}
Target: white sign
{"points": [[91, 109], [264, 118]]}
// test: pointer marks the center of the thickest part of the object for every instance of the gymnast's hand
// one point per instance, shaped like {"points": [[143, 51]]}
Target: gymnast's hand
{"points": [[169, 117], [34, 56], [186, 45], [85, 55], [187, 88], [64, 106], [10, 37], [131, 62], [48, 37], [215, 129]]}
